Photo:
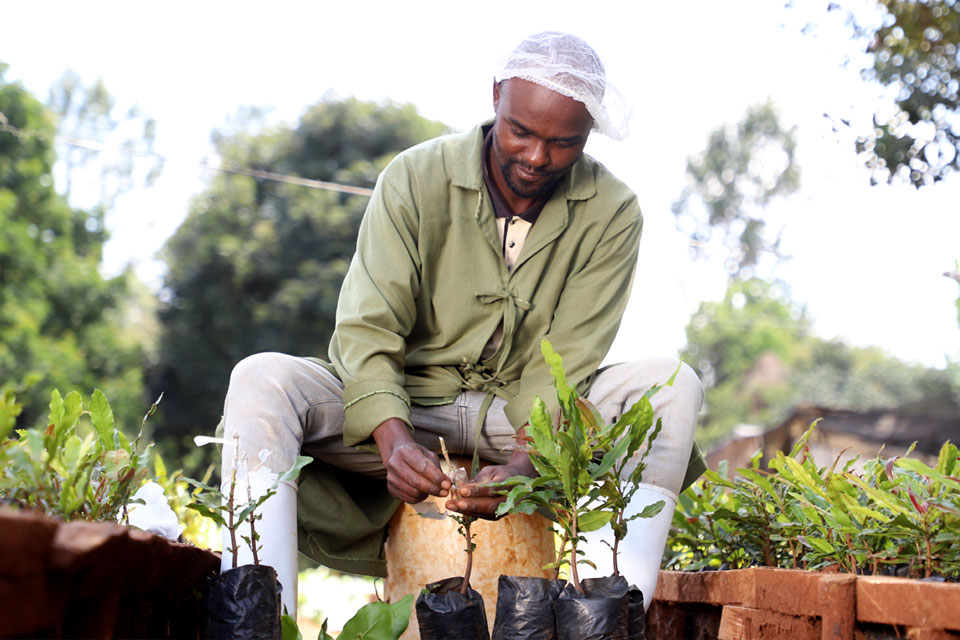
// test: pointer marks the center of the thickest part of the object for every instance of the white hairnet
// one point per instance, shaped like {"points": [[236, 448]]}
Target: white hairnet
{"points": [[566, 64]]}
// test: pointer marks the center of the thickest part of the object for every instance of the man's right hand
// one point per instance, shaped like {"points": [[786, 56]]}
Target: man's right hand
{"points": [[413, 471]]}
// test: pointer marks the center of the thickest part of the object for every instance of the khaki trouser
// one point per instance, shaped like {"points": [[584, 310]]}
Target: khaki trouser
{"points": [[285, 404]]}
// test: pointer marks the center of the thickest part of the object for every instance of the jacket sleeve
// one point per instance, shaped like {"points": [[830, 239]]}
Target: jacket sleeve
{"points": [[376, 309], [587, 315]]}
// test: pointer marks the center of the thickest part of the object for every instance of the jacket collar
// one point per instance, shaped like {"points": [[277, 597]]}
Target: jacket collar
{"points": [[579, 183]]}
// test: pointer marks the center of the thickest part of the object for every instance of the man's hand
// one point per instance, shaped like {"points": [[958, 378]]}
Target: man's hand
{"points": [[413, 471], [481, 501]]}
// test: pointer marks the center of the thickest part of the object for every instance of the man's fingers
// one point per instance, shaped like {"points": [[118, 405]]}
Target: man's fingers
{"points": [[403, 492], [485, 508], [408, 479], [424, 463]]}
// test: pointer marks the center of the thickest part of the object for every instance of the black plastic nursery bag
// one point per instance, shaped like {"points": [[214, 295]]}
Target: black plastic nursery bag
{"points": [[242, 604], [599, 613], [525, 608], [637, 629], [443, 613]]}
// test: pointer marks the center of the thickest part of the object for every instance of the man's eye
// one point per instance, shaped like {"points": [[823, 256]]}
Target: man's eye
{"points": [[520, 134]]}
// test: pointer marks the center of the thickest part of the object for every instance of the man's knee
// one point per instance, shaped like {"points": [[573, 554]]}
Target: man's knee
{"points": [[258, 369], [688, 384], [651, 371]]}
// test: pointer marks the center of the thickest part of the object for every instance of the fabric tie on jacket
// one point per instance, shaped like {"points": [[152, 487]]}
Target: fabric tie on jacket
{"points": [[476, 377], [512, 307]]}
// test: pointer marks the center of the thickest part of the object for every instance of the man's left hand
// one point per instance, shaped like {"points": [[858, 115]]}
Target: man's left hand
{"points": [[474, 499]]}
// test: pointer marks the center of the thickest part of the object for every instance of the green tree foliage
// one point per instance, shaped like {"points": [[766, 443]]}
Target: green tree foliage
{"points": [[915, 50], [731, 182], [58, 316], [758, 360], [257, 264]]}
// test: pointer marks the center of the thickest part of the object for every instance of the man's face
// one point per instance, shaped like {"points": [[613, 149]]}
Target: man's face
{"points": [[537, 136]]}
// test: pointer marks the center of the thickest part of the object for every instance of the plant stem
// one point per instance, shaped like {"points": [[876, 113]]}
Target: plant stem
{"points": [[253, 531], [616, 543], [573, 556], [464, 520], [231, 527], [466, 574], [563, 548]]}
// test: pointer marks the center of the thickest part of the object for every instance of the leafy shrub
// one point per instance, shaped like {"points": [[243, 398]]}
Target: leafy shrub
{"points": [[583, 481], [897, 515], [80, 465]]}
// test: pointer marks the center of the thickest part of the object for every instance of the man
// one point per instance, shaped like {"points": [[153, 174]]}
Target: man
{"points": [[473, 248]]}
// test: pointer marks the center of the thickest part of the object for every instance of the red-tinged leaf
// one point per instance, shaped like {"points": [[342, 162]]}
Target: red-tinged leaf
{"points": [[922, 509], [889, 467]]}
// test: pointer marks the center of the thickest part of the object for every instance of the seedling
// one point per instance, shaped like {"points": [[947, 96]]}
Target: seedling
{"points": [[896, 515], [220, 508], [457, 475], [568, 487]]}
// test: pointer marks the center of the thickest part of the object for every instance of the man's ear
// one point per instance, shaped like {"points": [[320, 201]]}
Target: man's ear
{"points": [[496, 95]]}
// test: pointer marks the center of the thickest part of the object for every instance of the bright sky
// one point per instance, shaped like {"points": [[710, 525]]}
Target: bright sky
{"points": [[866, 261]]}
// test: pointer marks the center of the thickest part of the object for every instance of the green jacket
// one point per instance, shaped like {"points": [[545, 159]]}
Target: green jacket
{"points": [[427, 288]]}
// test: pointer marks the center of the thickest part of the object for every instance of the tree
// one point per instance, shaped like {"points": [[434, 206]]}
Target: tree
{"points": [[97, 143], [731, 183], [758, 359], [58, 316], [257, 264], [916, 49]]}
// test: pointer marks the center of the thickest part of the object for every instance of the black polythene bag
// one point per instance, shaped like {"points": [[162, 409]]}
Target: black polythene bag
{"points": [[599, 613], [243, 603], [525, 608], [444, 613], [636, 616]]}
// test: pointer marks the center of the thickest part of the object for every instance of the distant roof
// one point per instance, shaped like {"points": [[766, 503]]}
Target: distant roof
{"points": [[890, 426]]}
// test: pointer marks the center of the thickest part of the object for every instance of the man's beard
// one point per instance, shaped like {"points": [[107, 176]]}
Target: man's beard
{"points": [[532, 191], [518, 188]]}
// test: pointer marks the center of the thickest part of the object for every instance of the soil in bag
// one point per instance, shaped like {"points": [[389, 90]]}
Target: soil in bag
{"points": [[636, 616], [599, 613], [525, 608], [444, 613], [243, 603]]}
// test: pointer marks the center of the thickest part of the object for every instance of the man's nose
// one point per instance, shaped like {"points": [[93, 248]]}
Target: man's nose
{"points": [[538, 155]]}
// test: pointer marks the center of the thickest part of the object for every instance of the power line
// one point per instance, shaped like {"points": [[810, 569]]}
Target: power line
{"points": [[94, 145]]}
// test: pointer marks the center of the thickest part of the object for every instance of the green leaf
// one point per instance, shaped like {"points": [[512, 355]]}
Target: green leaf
{"points": [[101, 415], [761, 481], [71, 453], [204, 487], [372, 621], [289, 628], [802, 442], [323, 632], [209, 513], [9, 410], [401, 615], [541, 431], [564, 392], [250, 507], [72, 409], [947, 460], [610, 457], [649, 511], [55, 420], [593, 520], [291, 474], [819, 544], [882, 498]]}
